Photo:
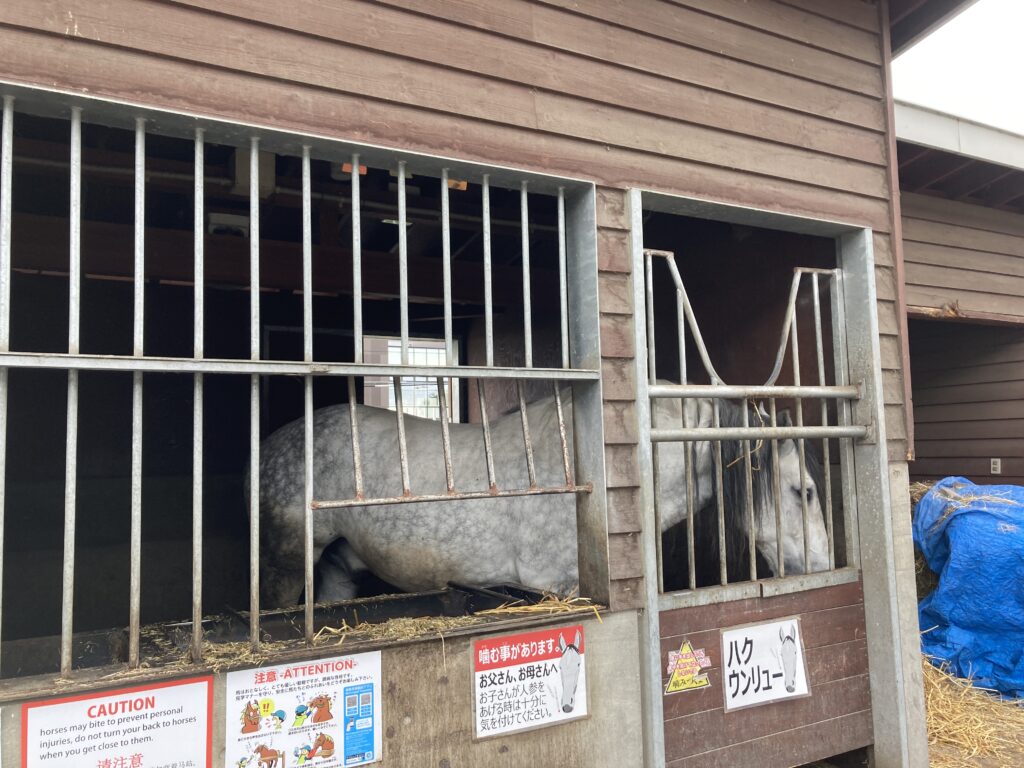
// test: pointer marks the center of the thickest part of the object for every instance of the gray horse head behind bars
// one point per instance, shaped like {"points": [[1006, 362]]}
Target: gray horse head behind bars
{"points": [[529, 540]]}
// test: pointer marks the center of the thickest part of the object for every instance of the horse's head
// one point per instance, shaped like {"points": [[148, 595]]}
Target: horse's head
{"points": [[787, 655], [793, 494], [569, 669]]}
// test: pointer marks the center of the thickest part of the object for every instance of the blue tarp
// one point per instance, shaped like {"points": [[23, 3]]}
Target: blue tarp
{"points": [[972, 536]]}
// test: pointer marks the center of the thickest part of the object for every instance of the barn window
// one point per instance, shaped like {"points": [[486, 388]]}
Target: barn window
{"points": [[176, 290], [762, 379]]}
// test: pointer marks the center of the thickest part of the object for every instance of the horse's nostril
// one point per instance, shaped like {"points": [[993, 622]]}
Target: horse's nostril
{"points": [[567, 708], [790, 688]]}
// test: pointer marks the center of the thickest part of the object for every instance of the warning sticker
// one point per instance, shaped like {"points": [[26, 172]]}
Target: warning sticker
{"points": [[684, 669]]}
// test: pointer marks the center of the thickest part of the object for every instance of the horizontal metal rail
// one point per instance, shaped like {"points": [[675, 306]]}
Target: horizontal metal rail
{"points": [[735, 392], [755, 433], [281, 367], [414, 499]]}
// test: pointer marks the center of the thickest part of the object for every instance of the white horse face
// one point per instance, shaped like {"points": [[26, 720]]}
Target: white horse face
{"points": [[787, 655], [569, 669], [793, 519]]}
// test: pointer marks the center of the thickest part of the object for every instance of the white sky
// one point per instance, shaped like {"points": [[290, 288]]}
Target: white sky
{"points": [[972, 67]]}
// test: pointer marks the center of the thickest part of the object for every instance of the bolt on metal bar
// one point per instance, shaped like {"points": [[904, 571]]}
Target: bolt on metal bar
{"points": [[735, 392], [307, 356], [254, 394], [488, 308], [563, 293], [403, 449], [826, 458], [138, 336], [531, 470], [777, 491], [524, 213], [459, 495], [6, 172], [446, 265], [403, 264], [446, 442], [357, 454], [723, 570], [357, 263], [748, 479], [563, 440], [197, 401], [798, 406], [488, 453], [71, 449]]}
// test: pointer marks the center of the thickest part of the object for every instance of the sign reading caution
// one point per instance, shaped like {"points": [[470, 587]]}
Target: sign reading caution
{"points": [[684, 669]]}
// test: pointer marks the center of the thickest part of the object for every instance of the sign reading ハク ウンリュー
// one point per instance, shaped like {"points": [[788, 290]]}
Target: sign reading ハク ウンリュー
{"points": [[762, 663]]}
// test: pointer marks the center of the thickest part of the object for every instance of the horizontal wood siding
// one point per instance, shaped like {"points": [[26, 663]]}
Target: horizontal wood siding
{"points": [[963, 259], [968, 400], [698, 732]]}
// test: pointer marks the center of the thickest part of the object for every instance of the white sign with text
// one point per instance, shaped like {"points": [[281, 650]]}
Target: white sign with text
{"points": [[762, 663]]}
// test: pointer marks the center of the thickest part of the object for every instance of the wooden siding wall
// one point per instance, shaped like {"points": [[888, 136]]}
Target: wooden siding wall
{"points": [[968, 400], [963, 259], [835, 719], [767, 104]]}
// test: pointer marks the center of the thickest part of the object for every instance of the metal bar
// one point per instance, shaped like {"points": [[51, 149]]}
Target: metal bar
{"points": [[488, 308], [138, 337], [254, 394], [357, 453], [780, 355], [357, 263], [411, 499], [531, 470], [748, 477], [197, 402], [6, 176], [446, 442], [446, 264], [307, 260], [403, 451], [488, 453], [723, 570], [403, 265], [777, 492], [524, 214], [755, 433], [563, 293], [652, 367], [681, 337], [71, 447], [307, 511], [735, 392], [652, 358], [801, 448], [691, 321], [691, 492], [826, 458], [280, 367], [563, 439]]}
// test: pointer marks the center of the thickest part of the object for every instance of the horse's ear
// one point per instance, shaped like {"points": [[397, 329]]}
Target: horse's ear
{"points": [[577, 640], [782, 637], [561, 643]]}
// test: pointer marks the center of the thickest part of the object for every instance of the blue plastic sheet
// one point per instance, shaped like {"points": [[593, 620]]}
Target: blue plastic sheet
{"points": [[972, 536]]}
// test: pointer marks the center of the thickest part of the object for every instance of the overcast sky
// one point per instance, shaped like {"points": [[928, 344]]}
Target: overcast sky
{"points": [[972, 67]]}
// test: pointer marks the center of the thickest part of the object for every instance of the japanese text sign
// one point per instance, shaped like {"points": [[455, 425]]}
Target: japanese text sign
{"points": [[324, 713], [762, 663], [153, 726], [529, 680]]}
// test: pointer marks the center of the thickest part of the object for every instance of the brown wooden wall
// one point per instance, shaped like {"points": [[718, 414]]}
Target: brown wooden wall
{"points": [[836, 717], [963, 260], [768, 104], [968, 400]]}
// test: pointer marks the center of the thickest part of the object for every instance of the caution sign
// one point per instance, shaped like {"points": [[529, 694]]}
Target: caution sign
{"points": [[684, 669]]}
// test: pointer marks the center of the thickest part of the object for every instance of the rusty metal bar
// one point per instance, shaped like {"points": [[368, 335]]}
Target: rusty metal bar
{"points": [[357, 454], [563, 293], [826, 458], [488, 308], [138, 337], [403, 450], [446, 442], [197, 402], [307, 354], [524, 213], [411, 499], [357, 263], [563, 440], [403, 265], [531, 470], [488, 453], [254, 394]]}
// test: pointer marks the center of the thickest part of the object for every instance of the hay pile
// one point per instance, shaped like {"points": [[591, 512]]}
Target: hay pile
{"points": [[968, 726]]}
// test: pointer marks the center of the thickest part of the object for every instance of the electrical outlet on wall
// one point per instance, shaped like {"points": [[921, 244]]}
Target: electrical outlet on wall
{"points": [[996, 467]]}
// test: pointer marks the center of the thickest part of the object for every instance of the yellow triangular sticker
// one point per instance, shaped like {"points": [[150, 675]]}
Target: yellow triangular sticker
{"points": [[685, 669]]}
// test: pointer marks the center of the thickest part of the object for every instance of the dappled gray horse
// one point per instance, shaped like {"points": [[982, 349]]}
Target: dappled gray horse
{"points": [[529, 540]]}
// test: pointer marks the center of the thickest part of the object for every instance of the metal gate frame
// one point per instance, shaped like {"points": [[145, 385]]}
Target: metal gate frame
{"points": [[870, 473]]}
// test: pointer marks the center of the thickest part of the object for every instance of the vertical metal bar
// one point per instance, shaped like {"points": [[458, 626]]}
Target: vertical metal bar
{"points": [[826, 458], [652, 367], [488, 309], [681, 336], [748, 477], [563, 292], [71, 451], [723, 570], [307, 355], [446, 264], [531, 470], [138, 335], [488, 453], [254, 394], [798, 404], [357, 454], [777, 493], [357, 264], [197, 403], [403, 450], [446, 442], [6, 168], [524, 227], [563, 439], [652, 364], [403, 264]]}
